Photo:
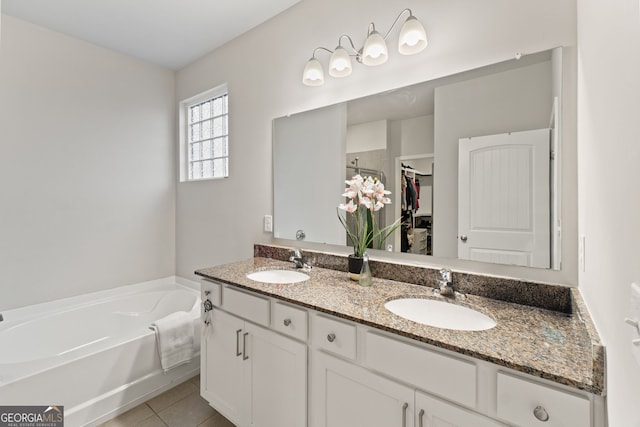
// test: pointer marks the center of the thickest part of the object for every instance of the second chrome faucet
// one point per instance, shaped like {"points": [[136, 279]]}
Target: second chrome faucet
{"points": [[445, 283]]}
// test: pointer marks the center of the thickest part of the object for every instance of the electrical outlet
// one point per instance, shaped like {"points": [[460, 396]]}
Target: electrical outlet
{"points": [[633, 319], [268, 223]]}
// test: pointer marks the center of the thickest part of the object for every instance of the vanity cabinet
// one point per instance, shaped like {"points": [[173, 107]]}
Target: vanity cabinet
{"points": [[431, 411], [258, 351], [251, 374], [222, 367], [346, 395], [528, 404]]}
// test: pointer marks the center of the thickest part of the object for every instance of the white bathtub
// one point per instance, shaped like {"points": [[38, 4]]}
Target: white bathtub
{"points": [[94, 353]]}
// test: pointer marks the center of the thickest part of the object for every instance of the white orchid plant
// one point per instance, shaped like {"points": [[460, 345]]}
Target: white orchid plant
{"points": [[365, 196]]}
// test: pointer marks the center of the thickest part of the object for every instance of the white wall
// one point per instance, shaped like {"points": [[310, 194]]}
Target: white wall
{"points": [[264, 70], [609, 195], [86, 167], [417, 136], [367, 136]]}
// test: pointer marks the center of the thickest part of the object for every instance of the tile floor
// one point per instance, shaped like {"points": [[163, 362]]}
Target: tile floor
{"points": [[180, 406]]}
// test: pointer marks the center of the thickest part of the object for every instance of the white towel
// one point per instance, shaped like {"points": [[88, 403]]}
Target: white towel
{"points": [[174, 337]]}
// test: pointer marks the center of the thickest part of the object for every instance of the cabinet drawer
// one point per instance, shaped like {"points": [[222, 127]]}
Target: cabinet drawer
{"points": [[290, 320], [211, 291], [247, 306], [446, 376], [518, 399], [334, 336]]}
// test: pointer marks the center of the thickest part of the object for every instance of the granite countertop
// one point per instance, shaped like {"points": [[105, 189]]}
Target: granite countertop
{"points": [[544, 343]]}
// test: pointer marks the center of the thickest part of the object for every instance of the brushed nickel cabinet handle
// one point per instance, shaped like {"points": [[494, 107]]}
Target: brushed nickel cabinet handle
{"points": [[331, 337], [238, 352], [287, 322], [404, 414], [245, 356], [420, 416]]}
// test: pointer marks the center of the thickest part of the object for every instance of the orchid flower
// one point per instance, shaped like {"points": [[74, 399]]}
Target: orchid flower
{"points": [[366, 195]]}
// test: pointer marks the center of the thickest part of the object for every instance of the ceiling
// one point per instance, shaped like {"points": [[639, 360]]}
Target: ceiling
{"points": [[169, 33]]}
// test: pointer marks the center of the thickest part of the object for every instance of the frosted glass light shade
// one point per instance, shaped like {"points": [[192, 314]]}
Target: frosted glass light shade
{"points": [[413, 37], [313, 74], [340, 63], [375, 50]]}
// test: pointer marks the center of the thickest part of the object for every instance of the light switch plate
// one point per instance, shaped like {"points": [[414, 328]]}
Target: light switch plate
{"points": [[634, 314], [268, 223]]}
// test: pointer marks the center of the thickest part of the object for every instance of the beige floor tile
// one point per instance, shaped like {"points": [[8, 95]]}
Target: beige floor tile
{"points": [[196, 381], [169, 397], [216, 421], [190, 411], [153, 421], [131, 418]]}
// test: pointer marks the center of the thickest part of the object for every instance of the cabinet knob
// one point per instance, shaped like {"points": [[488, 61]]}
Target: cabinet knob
{"points": [[541, 414], [463, 237], [331, 337], [287, 322]]}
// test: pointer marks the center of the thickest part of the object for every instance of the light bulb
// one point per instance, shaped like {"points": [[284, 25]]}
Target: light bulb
{"points": [[340, 63], [374, 51], [313, 74], [413, 37]]}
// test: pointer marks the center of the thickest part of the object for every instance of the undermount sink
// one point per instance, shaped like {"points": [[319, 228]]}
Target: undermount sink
{"points": [[440, 314], [278, 276]]}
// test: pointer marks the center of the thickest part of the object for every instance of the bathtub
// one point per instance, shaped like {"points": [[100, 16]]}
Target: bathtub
{"points": [[94, 354]]}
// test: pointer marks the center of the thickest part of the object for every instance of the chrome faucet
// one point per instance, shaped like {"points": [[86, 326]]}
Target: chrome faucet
{"points": [[445, 283], [298, 260]]}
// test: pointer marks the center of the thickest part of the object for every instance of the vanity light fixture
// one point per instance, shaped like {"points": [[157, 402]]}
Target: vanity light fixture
{"points": [[412, 40]]}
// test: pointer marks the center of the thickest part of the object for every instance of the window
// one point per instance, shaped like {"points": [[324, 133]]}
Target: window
{"points": [[205, 145]]}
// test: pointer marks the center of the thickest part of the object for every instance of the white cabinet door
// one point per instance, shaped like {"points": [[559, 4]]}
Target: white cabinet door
{"points": [[222, 366], [346, 395], [253, 376], [434, 412], [278, 386]]}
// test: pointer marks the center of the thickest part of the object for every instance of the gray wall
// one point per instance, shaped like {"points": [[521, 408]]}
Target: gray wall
{"points": [[86, 167], [510, 101], [320, 136]]}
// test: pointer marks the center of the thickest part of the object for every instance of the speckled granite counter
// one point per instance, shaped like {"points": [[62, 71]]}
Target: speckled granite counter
{"points": [[548, 344]]}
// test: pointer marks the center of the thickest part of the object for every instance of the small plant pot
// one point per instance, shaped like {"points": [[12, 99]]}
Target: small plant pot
{"points": [[355, 267]]}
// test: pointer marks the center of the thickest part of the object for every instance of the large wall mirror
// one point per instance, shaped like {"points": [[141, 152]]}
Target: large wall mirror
{"points": [[473, 161]]}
